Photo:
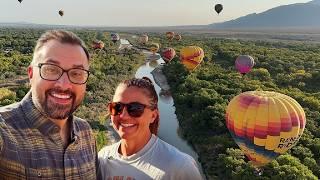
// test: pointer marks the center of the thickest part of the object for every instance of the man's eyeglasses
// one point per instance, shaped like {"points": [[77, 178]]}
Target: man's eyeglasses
{"points": [[134, 109], [52, 72]]}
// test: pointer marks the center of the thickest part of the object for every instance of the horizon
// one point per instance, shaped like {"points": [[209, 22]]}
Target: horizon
{"points": [[127, 14]]}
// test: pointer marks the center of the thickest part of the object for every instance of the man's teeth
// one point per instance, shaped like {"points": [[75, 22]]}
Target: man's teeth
{"points": [[126, 125], [61, 96]]}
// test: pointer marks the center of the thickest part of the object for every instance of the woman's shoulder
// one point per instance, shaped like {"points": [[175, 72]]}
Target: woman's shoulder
{"points": [[173, 152], [108, 151]]}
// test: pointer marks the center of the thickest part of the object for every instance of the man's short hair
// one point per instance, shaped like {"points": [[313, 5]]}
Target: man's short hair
{"points": [[61, 36]]}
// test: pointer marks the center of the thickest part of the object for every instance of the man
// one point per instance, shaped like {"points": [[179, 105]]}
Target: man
{"points": [[39, 136]]}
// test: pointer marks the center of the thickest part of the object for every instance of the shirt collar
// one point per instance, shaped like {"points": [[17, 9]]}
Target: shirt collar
{"points": [[40, 121]]}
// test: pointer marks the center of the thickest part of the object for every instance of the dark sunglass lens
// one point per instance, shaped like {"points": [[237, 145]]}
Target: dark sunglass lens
{"points": [[135, 109], [116, 108]]}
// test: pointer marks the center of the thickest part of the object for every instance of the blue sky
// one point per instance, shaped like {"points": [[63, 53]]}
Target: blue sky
{"points": [[131, 12]]}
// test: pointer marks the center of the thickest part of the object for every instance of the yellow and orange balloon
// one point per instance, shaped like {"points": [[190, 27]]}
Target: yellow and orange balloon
{"points": [[265, 124], [191, 56], [154, 47]]}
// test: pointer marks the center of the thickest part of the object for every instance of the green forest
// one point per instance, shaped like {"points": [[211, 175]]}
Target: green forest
{"points": [[200, 97]]}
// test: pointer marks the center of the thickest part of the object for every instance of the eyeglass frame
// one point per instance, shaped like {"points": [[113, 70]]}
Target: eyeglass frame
{"points": [[63, 71]]}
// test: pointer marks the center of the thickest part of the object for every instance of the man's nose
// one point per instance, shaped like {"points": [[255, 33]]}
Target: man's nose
{"points": [[64, 81]]}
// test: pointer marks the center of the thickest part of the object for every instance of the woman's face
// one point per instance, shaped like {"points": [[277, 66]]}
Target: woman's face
{"points": [[129, 127]]}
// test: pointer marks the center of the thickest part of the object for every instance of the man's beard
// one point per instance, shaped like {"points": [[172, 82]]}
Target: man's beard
{"points": [[55, 110]]}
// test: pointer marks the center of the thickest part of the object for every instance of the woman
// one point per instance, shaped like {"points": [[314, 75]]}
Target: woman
{"points": [[140, 154]]}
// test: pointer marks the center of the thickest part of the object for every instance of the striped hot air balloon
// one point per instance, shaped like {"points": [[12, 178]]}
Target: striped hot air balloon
{"points": [[170, 35], [191, 56], [177, 37], [244, 64], [265, 124], [168, 54]]}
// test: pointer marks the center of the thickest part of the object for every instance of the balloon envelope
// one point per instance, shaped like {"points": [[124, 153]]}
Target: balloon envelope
{"points": [[97, 45], [264, 124], [20, 1], [143, 39], [244, 63], [170, 35], [154, 47], [177, 37], [168, 54], [115, 37], [218, 8], [191, 56], [61, 13]]}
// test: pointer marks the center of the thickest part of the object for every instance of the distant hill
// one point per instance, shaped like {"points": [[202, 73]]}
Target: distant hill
{"points": [[299, 15]]}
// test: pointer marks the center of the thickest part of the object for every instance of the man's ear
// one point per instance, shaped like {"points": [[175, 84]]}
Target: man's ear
{"points": [[30, 72]]}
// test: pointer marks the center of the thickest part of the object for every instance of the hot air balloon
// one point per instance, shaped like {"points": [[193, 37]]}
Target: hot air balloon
{"points": [[168, 54], [264, 124], [218, 8], [191, 56], [20, 1], [61, 13], [154, 47], [244, 64], [97, 45], [143, 39], [177, 37], [170, 35], [115, 37]]}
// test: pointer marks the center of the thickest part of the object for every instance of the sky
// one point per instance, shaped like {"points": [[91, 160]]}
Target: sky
{"points": [[132, 12]]}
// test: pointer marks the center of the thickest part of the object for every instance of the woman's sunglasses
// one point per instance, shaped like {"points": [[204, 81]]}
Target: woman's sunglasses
{"points": [[134, 109]]}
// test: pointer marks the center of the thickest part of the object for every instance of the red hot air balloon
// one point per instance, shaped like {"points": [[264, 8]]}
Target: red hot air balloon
{"points": [[244, 64], [168, 54]]}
